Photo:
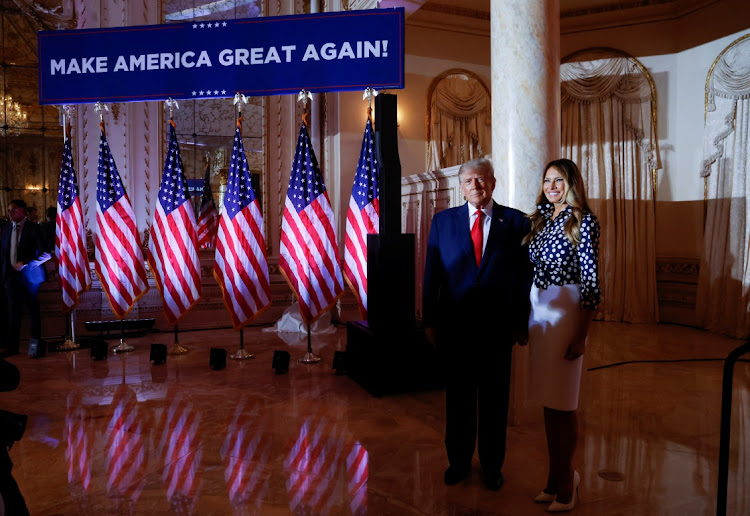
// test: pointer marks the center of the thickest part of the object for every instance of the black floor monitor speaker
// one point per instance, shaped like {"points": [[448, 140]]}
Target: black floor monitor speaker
{"points": [[217, 359], [99, 349], [37, 348], [280, 361], [158, 354]]}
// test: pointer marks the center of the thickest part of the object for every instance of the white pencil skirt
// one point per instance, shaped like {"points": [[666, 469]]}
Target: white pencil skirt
{"points": [[552, 323]]}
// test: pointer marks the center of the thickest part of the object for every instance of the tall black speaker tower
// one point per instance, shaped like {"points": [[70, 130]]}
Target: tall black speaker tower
{"points": [[387, 354]]}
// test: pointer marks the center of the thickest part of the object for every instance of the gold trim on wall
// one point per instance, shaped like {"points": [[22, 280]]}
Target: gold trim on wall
{"points": [[705, 109], [654, 99], [431, 90]]}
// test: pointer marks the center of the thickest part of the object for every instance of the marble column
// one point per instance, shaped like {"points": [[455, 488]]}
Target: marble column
{"points": [[525, 96], [525, 129]]}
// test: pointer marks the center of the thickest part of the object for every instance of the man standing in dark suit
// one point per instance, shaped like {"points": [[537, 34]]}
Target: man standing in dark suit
{"points": [[21, 244], [475, 306]]}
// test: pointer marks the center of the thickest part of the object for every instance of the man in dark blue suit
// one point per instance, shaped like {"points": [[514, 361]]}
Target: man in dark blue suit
{"points": [[475, 306], [21, 251]]}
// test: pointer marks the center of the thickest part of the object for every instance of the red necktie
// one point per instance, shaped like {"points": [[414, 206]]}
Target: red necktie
{"points": [[476, 236]]}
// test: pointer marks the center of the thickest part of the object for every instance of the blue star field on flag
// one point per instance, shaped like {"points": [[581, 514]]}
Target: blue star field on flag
{"points": [[306, 182], [239, 185], [68, 191], [109, 185], [173, 188]]}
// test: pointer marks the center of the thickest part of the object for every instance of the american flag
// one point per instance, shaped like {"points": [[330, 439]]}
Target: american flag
{"points": [[362, 218], [241, 267], [312, 465], [181, 447], [173, 242], [309, 252], [208, 216], [246, 451], [119, 259], [70, 242], [126, 457]]}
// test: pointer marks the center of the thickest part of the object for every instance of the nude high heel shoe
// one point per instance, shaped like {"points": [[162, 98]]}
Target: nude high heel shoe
{"points": [[543, 497], [562, 507]]}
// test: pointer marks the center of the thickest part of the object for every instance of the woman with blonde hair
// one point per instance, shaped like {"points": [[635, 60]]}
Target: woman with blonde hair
{"points": [[564, 249]]}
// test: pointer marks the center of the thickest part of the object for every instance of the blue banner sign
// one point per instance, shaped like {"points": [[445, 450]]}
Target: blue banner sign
{"points": [[339, 51]]}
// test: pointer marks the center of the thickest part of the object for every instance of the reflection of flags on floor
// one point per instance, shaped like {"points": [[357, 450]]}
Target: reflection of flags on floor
{"points": [[180, 445], [361, 219], [119, 258], [357, 473], [126, 458], [312, 465], [245, 452], [173, 242], [70, 242], [79, 440], [241, 267], [308, 255], [208, 216]]}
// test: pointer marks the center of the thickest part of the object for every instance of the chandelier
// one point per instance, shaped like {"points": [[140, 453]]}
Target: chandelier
{"points": [[15, 117]]}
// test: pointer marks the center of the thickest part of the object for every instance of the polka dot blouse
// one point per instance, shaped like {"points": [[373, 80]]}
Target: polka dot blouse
{"points": [[557, 262]]}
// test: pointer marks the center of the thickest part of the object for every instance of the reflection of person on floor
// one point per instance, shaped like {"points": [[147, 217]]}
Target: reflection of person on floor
{"points": [[476, 286], [21, 245], [564, 248]]}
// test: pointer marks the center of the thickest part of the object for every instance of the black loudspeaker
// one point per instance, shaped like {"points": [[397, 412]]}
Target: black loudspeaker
{"points": [[217, 359], [9, 376], [99, 349], [37, 348], [158, 354], [280, 361], [339, 362]]}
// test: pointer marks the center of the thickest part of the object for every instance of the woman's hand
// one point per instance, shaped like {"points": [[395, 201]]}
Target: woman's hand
{"points": [[578, 345]]}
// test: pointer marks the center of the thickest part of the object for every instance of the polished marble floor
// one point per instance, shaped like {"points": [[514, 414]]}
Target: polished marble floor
{"points": [[123, 436]]}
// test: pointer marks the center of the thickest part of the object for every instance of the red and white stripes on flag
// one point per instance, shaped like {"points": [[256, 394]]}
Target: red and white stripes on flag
{"points": [[245, 452], [362, 219], [241, 267], [126, 457], [312, 466], [79, 441], [308, 255], [181, 447], [173, 242], [70, 240], [357, 474], [208, 216], [119, 258]]}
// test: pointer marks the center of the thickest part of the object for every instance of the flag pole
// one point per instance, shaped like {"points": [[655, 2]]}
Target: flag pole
{"points": [[177, 348], [123, 347], [70, 344], [305, 96], [241, 353]]}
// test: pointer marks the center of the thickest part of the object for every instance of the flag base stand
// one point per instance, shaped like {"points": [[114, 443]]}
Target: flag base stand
{"points": [[241, 354], [123, 347], [68, 345], [178, 349], [309, 358]]}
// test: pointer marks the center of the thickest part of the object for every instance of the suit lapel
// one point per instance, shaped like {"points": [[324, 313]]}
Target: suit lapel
{"points": [[497, 224], [463, 232]]}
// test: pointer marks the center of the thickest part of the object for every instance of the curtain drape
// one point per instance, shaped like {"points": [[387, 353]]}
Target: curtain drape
{"points": [[723, 304], [609, 131], [460, 124]]}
